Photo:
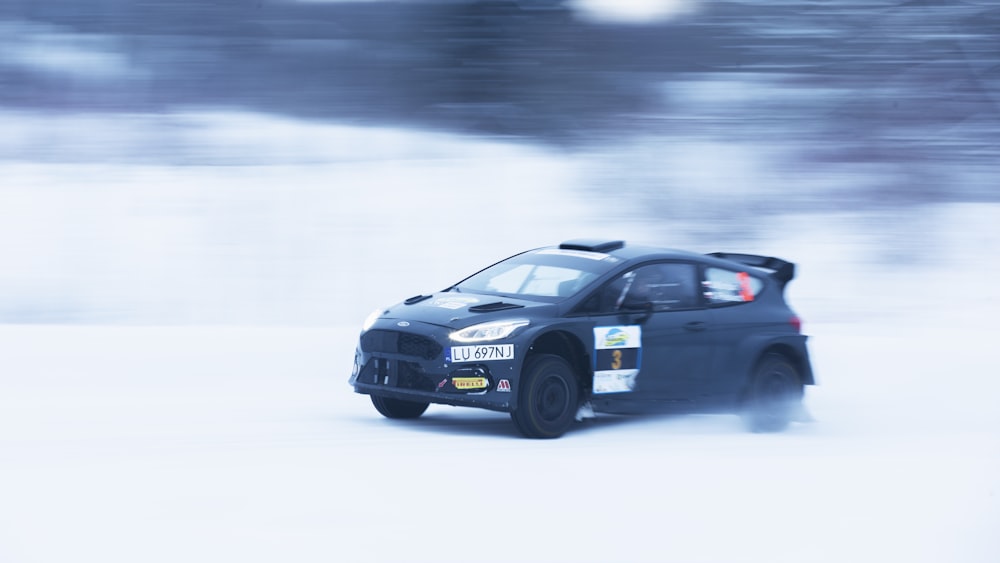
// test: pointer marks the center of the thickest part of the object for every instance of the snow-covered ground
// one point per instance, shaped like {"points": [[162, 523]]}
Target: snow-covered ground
{"points": [[232, 435], [122, 444]]}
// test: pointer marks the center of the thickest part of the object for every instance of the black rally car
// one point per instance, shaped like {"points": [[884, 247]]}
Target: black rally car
{"points": [[556, 333]]}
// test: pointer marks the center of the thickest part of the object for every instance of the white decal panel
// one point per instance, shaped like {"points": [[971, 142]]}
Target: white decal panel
{"points": [[617, 358], [454, 302], [615, 381], [482, 353]]}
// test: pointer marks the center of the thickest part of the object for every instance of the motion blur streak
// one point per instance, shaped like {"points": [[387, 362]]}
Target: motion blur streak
{"points": [[266, 162], [632, 11], [206, 162]]}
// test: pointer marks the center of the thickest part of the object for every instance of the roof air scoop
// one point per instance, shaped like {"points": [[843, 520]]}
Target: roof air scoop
{"points": [[592, 245]]}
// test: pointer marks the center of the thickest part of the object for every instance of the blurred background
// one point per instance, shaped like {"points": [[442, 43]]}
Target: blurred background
{"points": [[302, 162]]}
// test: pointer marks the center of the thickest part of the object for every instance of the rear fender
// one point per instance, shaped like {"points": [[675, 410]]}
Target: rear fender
{"points": [[792, 346]]}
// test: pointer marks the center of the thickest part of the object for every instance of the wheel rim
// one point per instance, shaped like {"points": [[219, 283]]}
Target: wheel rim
{"points": [[552, 398], [774, 394], [776, 386]]}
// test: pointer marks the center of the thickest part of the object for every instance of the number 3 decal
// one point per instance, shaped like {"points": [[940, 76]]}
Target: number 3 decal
{"points": [[616, 359]]}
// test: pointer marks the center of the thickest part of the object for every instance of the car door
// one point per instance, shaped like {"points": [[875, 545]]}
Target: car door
{"points": [[651, 336]]}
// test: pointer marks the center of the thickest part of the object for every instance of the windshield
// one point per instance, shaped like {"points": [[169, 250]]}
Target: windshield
{"points": [[549, 272]]}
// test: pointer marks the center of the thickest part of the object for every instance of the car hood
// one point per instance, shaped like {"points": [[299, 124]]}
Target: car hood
{"points": [[459, 310]]}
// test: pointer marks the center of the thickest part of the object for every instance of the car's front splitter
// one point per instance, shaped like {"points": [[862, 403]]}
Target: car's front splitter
{"points": [[488, 400]]}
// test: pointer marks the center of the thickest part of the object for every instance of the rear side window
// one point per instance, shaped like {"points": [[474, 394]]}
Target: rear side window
{"points": [[722, 286]]}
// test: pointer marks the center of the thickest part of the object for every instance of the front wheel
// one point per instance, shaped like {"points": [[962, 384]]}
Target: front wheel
{"points": [[398, 408], [775, 395], [548, 397]]}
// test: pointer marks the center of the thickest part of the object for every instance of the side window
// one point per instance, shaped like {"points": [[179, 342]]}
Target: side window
{"points": [[657, 287], [727, 286]]}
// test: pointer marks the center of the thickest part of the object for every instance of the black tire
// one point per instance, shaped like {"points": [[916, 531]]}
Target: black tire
{"points": [[774, 396], [398, 408], [548, 397]]}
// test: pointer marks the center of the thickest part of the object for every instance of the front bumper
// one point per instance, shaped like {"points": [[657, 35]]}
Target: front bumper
{"points": [[417, 366]]}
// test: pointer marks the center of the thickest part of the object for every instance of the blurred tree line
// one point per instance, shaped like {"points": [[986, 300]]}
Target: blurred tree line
{"points": [[913, 70]]}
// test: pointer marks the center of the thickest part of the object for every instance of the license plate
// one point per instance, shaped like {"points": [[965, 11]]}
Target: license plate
{"points": [[482, 353]]}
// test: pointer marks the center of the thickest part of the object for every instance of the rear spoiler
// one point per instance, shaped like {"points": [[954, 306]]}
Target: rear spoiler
{"points": [[781, 270]]}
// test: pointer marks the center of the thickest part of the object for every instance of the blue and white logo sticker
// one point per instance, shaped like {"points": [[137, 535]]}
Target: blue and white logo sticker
{"points": [[617, 357]]}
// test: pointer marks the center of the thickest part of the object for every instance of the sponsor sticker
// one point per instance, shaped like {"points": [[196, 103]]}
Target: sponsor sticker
{"points": [[469, 382], [617, 357], [625, 336], [615, 381], [503, 386]]}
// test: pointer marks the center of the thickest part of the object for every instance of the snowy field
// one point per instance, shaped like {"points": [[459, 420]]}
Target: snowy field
{"points": [[175, 388], [246, 444]]}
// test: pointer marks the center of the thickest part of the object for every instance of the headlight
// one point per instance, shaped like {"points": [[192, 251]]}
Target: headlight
{"points": [[370, 320], [488, 331]]}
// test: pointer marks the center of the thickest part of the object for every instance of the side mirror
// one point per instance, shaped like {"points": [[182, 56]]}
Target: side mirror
{"points": [[639, 311], [637, 306]]}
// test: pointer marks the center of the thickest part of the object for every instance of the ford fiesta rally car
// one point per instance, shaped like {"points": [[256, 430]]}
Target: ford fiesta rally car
{"points": [[554, 334]]}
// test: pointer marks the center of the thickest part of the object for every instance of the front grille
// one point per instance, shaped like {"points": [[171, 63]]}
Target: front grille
{"points": [[394, 342], [413, 345], [376, 341]]}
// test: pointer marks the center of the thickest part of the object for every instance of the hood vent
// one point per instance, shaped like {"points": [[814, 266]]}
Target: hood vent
{"points": [[491, 307]]}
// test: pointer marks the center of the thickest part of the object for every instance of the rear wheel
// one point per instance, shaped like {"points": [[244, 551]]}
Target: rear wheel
{"points": [[548, 397], [775, 395], [398, 408]]}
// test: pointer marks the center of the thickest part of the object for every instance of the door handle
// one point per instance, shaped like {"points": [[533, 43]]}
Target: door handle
{"points": [[696, 326]]}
